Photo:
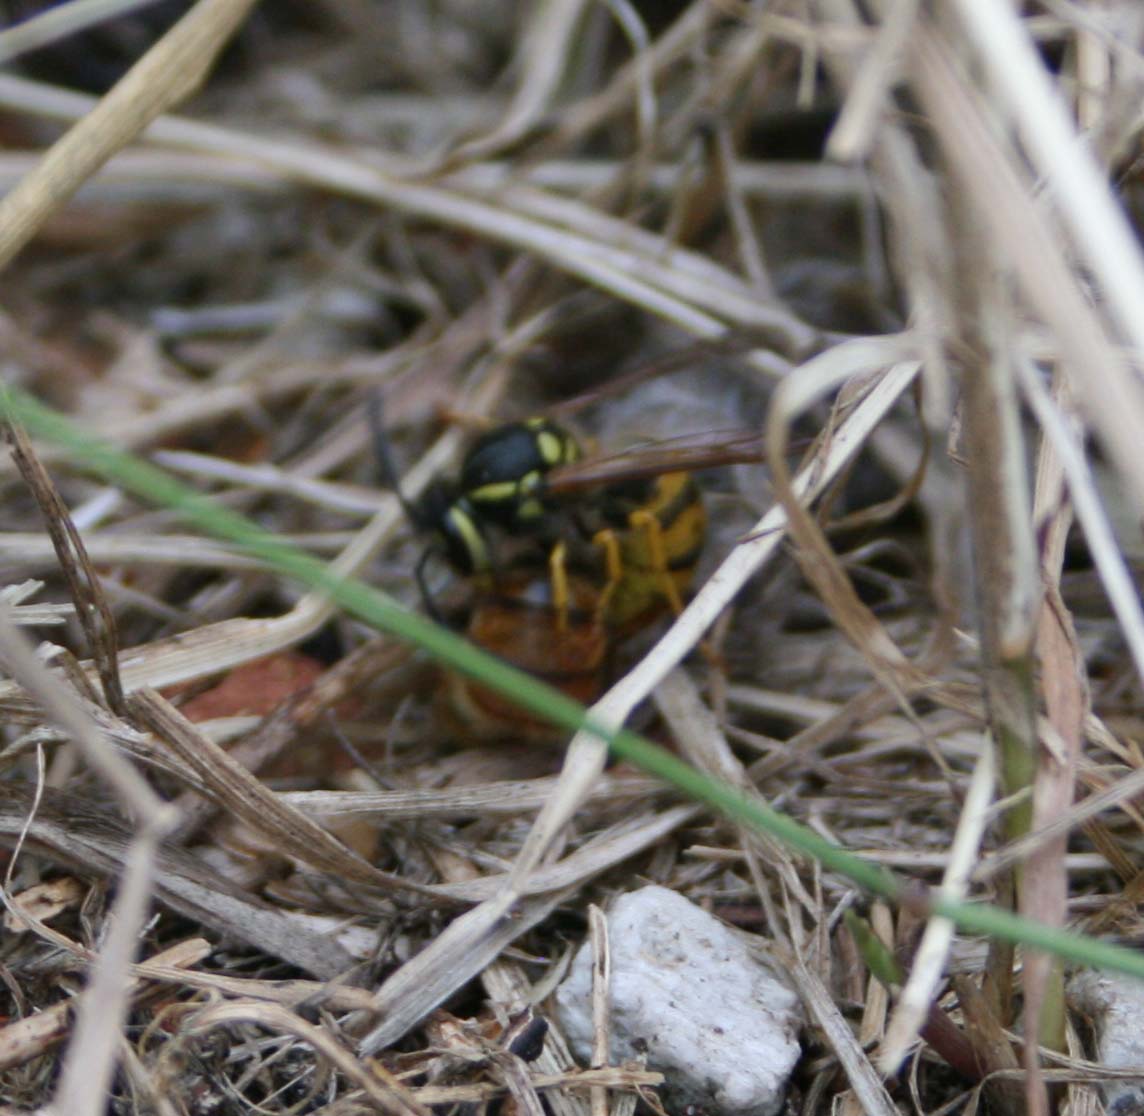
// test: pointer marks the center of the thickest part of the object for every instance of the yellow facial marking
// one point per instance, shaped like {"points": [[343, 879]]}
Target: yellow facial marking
{"points": [[551, 447], [493, 493], [464, 527]]}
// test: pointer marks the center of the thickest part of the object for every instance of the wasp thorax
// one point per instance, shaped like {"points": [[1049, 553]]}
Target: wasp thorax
{"points": [[503, 474]]}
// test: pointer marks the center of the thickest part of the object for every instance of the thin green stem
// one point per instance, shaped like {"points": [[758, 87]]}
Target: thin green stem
{"points": [[375, 608]]}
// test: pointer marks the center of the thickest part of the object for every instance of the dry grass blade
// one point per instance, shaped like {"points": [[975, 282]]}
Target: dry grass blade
{"points": [[166, 76], [34, 1036], [601, 978], [603, 851], [1086, 502], [700, 738], [585, 759], [819, 564], [920, 241], [544, 48], [1100, 233], [555, 1085], [246, 799], [28, 551], [380, 1086], [86, 591], [1007, 208], [90, 1061], [489, 798], [73, 832], [920, 991], [1006, 574], [854, 132], [474, 939], [289, 993], [1093, 806], [58, 23], [171, 177], [1067, 705], [864, 1079]]}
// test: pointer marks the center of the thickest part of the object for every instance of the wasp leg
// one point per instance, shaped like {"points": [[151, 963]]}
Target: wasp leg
{"points": [[558, 579], [609, 542], [652, 527], [480, 581], [647, 522], [423, 586]]}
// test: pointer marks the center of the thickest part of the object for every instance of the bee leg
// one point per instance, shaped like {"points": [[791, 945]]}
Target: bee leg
{"points": [[558, 579], [609, 543], [647, 522]]}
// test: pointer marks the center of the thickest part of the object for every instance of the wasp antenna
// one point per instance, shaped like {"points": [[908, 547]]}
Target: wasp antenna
{"points": [[383, 455]]}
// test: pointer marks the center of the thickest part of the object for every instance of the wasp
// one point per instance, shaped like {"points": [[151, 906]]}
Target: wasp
{"points": [[567, 553], [526, 492]]}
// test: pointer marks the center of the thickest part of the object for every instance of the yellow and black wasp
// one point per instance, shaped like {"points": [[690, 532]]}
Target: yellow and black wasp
{"points": [[568, 553]]}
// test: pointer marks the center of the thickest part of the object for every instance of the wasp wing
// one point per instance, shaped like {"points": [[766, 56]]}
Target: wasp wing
{"points": [[709, 449]]}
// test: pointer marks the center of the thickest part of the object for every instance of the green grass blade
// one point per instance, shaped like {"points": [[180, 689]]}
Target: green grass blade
{"points": [[382, 612]]}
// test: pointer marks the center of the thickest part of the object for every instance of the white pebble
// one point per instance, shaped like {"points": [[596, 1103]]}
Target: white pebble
{"points": [[1115, 1004], [687, 995]]}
